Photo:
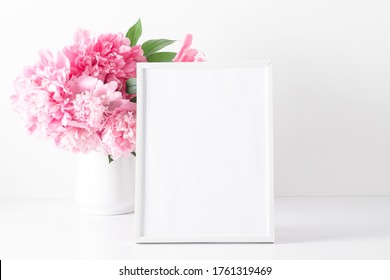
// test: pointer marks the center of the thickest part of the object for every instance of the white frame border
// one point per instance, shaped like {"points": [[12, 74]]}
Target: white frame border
{"points": [[141, 67]]}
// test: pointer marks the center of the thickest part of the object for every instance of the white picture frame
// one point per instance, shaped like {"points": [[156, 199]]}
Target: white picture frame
{"points": [[204, 171]]}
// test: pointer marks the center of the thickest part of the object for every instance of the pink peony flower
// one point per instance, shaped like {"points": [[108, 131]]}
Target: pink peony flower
{"points": [[186, 54], [108, 57], [42, 97], [92, 99], [119, 133]]}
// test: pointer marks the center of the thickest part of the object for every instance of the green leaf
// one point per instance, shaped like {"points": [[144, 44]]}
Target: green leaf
{"points": [[134, 33], [134, 99], [162, 57], [131, 86], [110, 159], [152, 46]]}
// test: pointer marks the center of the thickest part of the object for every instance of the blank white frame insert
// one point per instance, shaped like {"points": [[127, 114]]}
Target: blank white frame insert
{"points": [[204, 153]]}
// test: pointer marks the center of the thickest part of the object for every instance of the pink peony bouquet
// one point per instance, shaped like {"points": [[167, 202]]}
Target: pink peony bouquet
{"points": [[84, 98]]}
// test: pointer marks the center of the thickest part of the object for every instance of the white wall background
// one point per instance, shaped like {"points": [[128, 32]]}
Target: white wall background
{"points": [[331, 82]]}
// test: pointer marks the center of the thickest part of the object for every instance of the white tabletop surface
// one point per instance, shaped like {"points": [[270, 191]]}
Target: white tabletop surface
{"points": [[305, 228]]}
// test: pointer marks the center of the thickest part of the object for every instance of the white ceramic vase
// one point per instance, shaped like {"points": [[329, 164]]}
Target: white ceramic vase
{"points": [[104, 188]]}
